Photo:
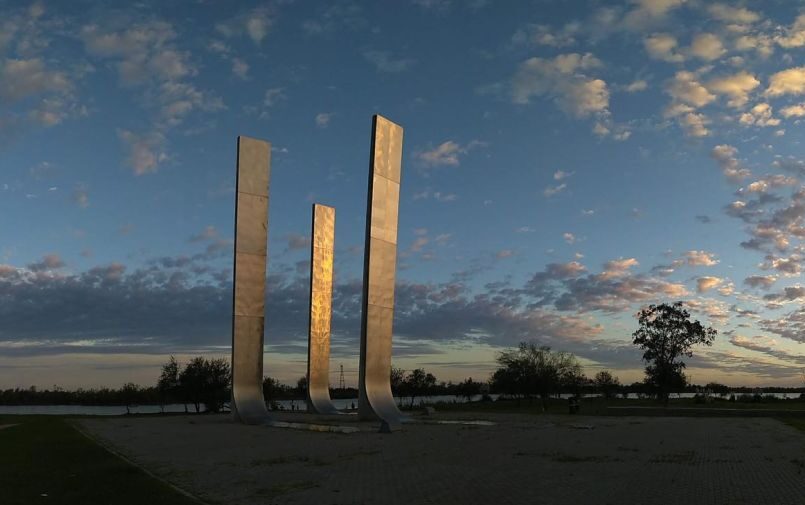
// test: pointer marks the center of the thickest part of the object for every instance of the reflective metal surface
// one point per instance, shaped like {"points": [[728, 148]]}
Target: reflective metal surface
{"points": [[321, 306], [248, 319], [380, 263]]}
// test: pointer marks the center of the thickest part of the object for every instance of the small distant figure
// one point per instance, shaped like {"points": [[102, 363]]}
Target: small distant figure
{"points": [[573, 405], [353, 405]]}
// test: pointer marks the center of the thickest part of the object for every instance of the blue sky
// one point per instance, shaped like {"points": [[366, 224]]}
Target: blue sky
{"points": [[565, 163]]}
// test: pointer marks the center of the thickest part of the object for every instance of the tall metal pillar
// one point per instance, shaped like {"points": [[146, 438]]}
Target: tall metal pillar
{"points": [[321, 308], [248, 319], [380, 262]]}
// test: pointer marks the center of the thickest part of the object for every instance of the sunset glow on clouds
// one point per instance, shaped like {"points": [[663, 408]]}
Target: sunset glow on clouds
{"points": [[565, 163]]}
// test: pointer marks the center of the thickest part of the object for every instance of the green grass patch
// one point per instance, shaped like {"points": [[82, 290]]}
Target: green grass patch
{"points": [[45, 460]]}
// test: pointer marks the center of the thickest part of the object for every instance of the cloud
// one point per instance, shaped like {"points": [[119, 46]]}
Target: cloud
{"points": [[726, 157], [564, 79], [788, 266], [554, 190], [333, 18], [21, 78], [183, 304], [618, 268], [147, 59], [561, 174], [700, 258], [447, 153], [208, 233], [687, 95], [146, 151], [432, 4], [636, 86], [384, 62], [613, 291], [737, 87], [663, 46], [759, 115], [797, 110], [730, 14], [767, 346], [273, 96], [707, 283], [790, 326], [439, 196], [544, 35], [81, 196], [323, 119], [686, 89], [707, 46], [768, 183], [787, 82], [569, 238], [788, 294], [760, 281], [255, 24], [48, 262], [297, 242], [793, 36], [648, 13], [240, 68], [143, 50]]}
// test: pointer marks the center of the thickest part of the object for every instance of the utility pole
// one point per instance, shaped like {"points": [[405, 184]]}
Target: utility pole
{"points": [[341, 384]]}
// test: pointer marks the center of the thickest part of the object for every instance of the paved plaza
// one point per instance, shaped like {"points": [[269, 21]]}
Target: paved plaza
{"points": [[519, 459]]}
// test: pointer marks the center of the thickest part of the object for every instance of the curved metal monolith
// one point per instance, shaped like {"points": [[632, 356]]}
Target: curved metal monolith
{"points": [[321, 307], [375, 400], [248, 318]]}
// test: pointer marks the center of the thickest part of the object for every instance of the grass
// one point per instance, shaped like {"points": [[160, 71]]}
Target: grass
{"points": [[45, 460]]}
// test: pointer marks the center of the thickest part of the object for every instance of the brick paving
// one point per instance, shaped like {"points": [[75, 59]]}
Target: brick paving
{"points": [[521, 459]]}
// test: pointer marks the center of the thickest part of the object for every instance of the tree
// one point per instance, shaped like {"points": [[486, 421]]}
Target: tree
{"points": [[717, 388], [129, 393], [417, 383], [191, 382], [574, 381], [301, 386], [218, 376], [396, 379], [535, 370], [168, 383], [271, 387], [468, 388], [666, 334], [206, 382], [606, 383]]}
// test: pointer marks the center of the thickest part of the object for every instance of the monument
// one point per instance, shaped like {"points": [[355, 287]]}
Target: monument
{"points": [[375, 400], [321, 307], [248, 314]]}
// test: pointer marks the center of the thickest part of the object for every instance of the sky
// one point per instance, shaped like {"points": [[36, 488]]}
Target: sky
{"points": [[564, 165]]}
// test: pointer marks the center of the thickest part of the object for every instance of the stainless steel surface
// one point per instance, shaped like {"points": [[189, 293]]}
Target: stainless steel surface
{"points": [[248, 306], [380, 262], [321, 305]]}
